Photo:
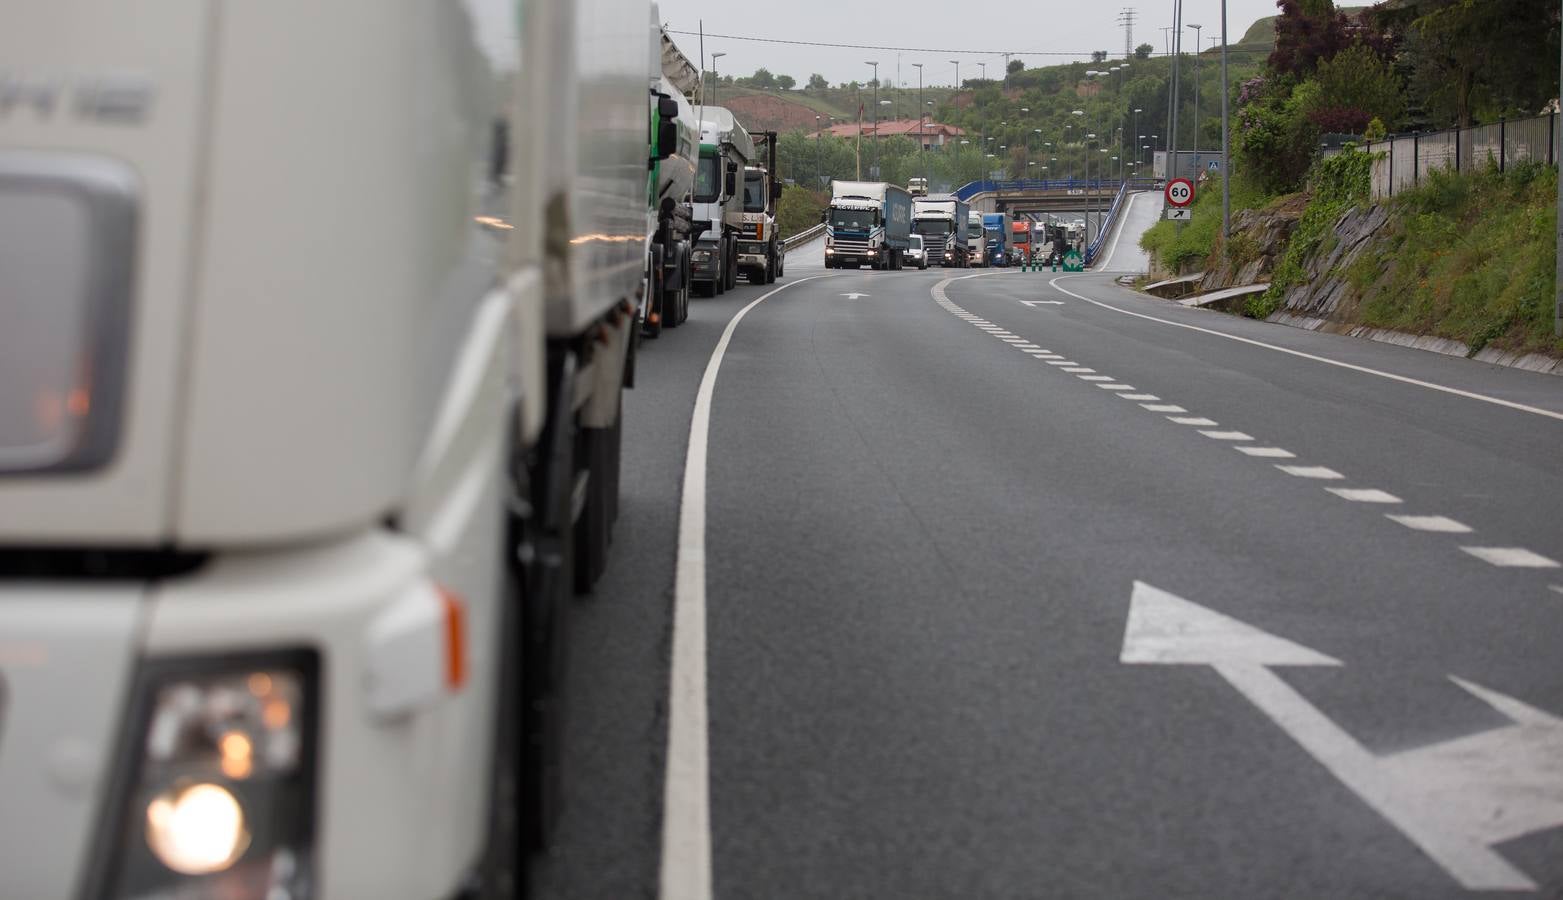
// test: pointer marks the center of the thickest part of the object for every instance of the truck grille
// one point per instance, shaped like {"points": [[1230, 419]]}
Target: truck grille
{"points": [[851, 246], [935, 245]]}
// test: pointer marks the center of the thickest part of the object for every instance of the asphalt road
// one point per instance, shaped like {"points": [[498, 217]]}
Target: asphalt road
{"points": [[924, 536]]}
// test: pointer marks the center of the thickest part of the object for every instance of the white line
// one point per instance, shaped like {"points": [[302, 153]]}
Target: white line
{"points": [[1364, 495], [686, 785], [1078, 369], [1198, 421], [1061, 362], [1016, 340], [1163, 408], [1470, 395], [1093, 377], [1027, 345], [1440, 524], [1268, 452], [1555, 588], [1150, 397], [1227, 435], [1511, 557], [1116, 387], [1312, 472]]}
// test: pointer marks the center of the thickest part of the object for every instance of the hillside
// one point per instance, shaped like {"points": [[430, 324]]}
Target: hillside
{"points": [[778, 110]]}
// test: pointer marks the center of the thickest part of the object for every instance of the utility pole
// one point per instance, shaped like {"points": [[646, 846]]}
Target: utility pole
{"points": [[875, 64], [1126, 19], [957, 64], [920, 147], [984, 71], [1557, 313], [1006, 70], [715, 78], [1196, 99], [1226, 163], [1177, 51]]}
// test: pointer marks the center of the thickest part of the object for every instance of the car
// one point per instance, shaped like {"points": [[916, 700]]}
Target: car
{"points": [[915, 254]]}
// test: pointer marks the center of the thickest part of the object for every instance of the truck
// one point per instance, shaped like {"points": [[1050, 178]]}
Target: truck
{"points": [[316, 326], [760, 252], [996, 228], [725, 150], [942, 220], [917, 187], [976, 240], [670, 216], [1020, 240], [867, 222]]}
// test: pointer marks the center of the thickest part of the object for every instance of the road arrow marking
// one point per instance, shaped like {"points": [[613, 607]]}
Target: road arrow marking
{"points": [[1035, 303], [854, 295], [1455, 800]]}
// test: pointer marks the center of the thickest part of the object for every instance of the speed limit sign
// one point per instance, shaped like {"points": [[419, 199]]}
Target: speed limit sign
{"points": [[1180, 192]]}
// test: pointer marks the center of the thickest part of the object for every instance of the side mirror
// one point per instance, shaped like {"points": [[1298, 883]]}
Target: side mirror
{"points": [[730, 183], [776, 190], [667, 127], [824, 216]]}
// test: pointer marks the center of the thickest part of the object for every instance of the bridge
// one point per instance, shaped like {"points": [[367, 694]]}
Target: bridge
{"points": [[1046, 196]]}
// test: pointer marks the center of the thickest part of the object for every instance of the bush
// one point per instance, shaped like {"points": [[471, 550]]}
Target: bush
{"points": [[1336, 183]]}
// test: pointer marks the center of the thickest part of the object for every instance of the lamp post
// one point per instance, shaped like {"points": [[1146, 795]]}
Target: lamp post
{"points": [[1226, 163], [919, 67], [957, 64], [875, 64], [1137, 137], [1073, 112], [715, 79], [984, 67], [1196, 98]]}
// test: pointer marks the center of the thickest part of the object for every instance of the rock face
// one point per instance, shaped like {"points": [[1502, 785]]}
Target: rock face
{"points": [[1259, 238], [1324, 289]]}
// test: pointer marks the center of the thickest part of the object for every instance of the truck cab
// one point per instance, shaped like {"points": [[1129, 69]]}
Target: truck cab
{"points": [[976, 240], [760, 251]]}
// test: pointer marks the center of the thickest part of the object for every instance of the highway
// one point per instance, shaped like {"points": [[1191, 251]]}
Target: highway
{"points": [[1026, 585]]}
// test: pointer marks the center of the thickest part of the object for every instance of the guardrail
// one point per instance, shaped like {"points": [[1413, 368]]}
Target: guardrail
{"points": [[803, 237], [972, 188], [1109, 220]]}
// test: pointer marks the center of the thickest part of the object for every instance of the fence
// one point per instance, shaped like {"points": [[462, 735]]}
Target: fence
{"points": [[1106, 225], [1401, 161]]}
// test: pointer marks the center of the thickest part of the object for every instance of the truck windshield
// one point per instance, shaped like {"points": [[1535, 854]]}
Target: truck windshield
{"points": [[708, 180], [754, 192], [853, 219], [933, 226], [995, 235]]}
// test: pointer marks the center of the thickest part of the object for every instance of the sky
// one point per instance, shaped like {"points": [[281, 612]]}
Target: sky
{"points": [[1065, 31]]}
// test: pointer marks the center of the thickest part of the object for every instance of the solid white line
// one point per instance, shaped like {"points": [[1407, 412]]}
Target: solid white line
{"points": [[1470, 395], [1227, 435], [1093, 377], [1200, 421], [1116, 387], [686, 786], [1440, 524], [1268, 452], [1312, 472], [1163, 408], [1364, 495], [1511, 557], [1150, 397]]}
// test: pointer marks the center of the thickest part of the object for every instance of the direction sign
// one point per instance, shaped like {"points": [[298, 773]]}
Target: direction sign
{"points": [[1180, 192], [1180, 213]]}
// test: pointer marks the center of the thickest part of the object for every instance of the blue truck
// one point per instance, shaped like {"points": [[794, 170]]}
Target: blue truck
{"points": [[996, 229]]}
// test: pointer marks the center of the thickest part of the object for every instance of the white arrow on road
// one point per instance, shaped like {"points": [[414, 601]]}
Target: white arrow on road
{"points": [[1036, 303], [1455, 800], [855, 295]]}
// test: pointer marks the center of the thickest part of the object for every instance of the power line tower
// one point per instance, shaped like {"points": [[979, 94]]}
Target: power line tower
{"points": [[1126, 19]]}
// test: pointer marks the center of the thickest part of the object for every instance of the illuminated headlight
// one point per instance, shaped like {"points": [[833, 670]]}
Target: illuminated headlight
{"points": [[700, 256], [218, 796]]}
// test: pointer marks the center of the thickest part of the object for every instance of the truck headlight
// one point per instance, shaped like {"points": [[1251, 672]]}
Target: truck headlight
{"points": [[700, 256], [217, 795]]}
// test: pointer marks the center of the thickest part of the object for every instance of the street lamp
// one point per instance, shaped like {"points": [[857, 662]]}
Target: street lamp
{"points": [[1137, 136], [875, 64], [984, 72], [957, 64], [1196, 98], [1077, 113], [715, 79], [919, 67]]}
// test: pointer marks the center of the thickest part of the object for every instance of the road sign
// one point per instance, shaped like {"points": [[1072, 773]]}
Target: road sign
{"points": [[1456, 800], [1214, 166], [1073, 262], [1180, 214], [1180, 192]]}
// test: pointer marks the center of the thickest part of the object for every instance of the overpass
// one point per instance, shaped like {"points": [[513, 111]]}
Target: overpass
{"points": [[1046, 196]]}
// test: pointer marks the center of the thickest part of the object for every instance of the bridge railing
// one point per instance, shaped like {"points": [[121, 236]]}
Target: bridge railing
{"points": [[1133, 184], [973, 188]]}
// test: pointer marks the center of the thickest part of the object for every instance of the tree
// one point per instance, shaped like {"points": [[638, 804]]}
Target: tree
{"points": [[762, 78], [797, 210], [785, 82], [1355, 87], [1306, 32], [1144, 51], [1015, 66], [1098, 56], [817, 82]]}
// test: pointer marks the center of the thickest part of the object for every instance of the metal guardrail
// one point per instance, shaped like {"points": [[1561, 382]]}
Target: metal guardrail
{"points": [[972, 188], [803, 237], [1107, 222]]}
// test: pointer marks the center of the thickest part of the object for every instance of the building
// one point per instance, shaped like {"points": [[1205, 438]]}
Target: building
{"points": [[934, 134]]}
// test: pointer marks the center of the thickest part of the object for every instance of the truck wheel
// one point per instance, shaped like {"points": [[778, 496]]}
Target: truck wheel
{"points": [[732, 270], [719, 279], [770, 270]]}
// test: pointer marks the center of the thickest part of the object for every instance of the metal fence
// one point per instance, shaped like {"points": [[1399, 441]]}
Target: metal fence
{"points": [[1400, 162]]}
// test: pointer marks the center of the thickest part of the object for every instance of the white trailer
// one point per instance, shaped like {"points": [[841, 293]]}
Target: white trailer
{"points": [[311, 355]]}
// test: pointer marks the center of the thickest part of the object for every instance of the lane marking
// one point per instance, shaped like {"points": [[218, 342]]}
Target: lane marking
{"points": [[1364, 495], [1267, 452], [1469, 395], [1062, 362], [1116, 387], [1093, 377], [1151, 397], [1555, 588], [1321, 472], [1440, 524], [1163, 408], [1227, 435], [1194, 420], [1078, 369], [686, 785], [1511, 557]]}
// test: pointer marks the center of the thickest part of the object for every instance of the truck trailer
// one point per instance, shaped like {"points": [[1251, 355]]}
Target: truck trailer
{"points": [[867, 223], [996, 229], [725, 150], [315, 328], [942, 220]]}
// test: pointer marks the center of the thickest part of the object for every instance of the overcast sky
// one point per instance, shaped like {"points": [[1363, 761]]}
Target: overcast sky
{"points": [[1066, 31]]}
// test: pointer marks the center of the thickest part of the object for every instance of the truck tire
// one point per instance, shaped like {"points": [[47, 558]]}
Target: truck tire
{"points": [[770, 270], [732, 267], [719, 277]]}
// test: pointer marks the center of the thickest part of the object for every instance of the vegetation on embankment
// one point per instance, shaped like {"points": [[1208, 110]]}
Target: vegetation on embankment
{"points": [[1186, 249], [1468, 257]]}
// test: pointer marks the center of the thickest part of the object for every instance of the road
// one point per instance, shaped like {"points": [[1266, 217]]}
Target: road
{"points": [[1020, 585]]}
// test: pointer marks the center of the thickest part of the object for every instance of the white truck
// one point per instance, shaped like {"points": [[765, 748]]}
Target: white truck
{"points": [[867, 223], [976, 240], [761, 254], [725, 149], [942, 221], [314, 328]]}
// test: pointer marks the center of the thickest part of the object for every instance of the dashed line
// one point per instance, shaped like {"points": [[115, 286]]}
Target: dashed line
{"points": [[1062, 362], [1078, 370], [1093, 377], [1320, 472], [1268, 452], [1511, 557], [1440, 524], [1116, 387], [1150, 397], [1194, 420], [1163, 408], [1227, 435], [1364, 495]]}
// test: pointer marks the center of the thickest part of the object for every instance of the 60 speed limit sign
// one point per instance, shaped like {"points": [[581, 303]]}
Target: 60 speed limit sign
{"points": [[1180, 192]]}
